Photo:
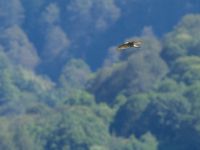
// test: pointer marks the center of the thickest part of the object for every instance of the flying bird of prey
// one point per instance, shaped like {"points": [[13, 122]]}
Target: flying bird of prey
{"points": [[129, 44]]}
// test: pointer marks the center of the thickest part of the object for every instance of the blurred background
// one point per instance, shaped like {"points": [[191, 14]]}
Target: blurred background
{"points": [[63, 85]]}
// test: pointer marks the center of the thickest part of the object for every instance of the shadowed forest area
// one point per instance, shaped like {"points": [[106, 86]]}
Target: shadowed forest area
{"points": [[63, 85]]}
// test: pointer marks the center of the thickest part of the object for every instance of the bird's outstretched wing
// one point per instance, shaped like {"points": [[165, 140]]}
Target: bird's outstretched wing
{"points": [[123, 46], [129, 44]]}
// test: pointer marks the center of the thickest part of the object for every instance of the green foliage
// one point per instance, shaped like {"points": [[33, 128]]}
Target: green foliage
{"points": [[183, 40], [8, 90], [146, 142], [186, 69], [18, 47], [78, 128], [133, 102], [171, 112], [129, 114], [136, 72], [5, 135], [192, 93], [75, 74]]}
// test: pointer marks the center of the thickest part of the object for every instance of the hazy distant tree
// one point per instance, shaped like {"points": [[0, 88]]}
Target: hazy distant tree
{"points": [[51, 14], [6, 135], [138, 71], [55, 39], [33, 88], [145, 67], [21, 135], [5, 62], [186, 69], [149, 142], [78, 128], [75, 74], [8, 91], [11, 13], [192, 93], [33, 10], [145, 142], [170, 114], [96, 13], [73, 81], [18, 47], [183, 40], [128, 114], [112, 57], [55, 42]]}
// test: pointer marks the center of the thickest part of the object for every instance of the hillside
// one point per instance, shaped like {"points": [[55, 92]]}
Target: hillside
{"points": [[63, 85]]}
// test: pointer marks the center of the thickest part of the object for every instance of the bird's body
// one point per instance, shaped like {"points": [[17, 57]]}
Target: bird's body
{"points": [[129, 44]]}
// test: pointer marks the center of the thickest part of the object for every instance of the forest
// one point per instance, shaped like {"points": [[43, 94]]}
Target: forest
{"points": [[63, 85]]}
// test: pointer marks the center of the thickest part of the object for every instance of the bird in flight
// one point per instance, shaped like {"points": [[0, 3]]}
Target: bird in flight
{"points": [[129, 44]]}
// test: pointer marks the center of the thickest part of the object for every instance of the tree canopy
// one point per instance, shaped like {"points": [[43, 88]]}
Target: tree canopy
{"points": [[53, 98]]}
